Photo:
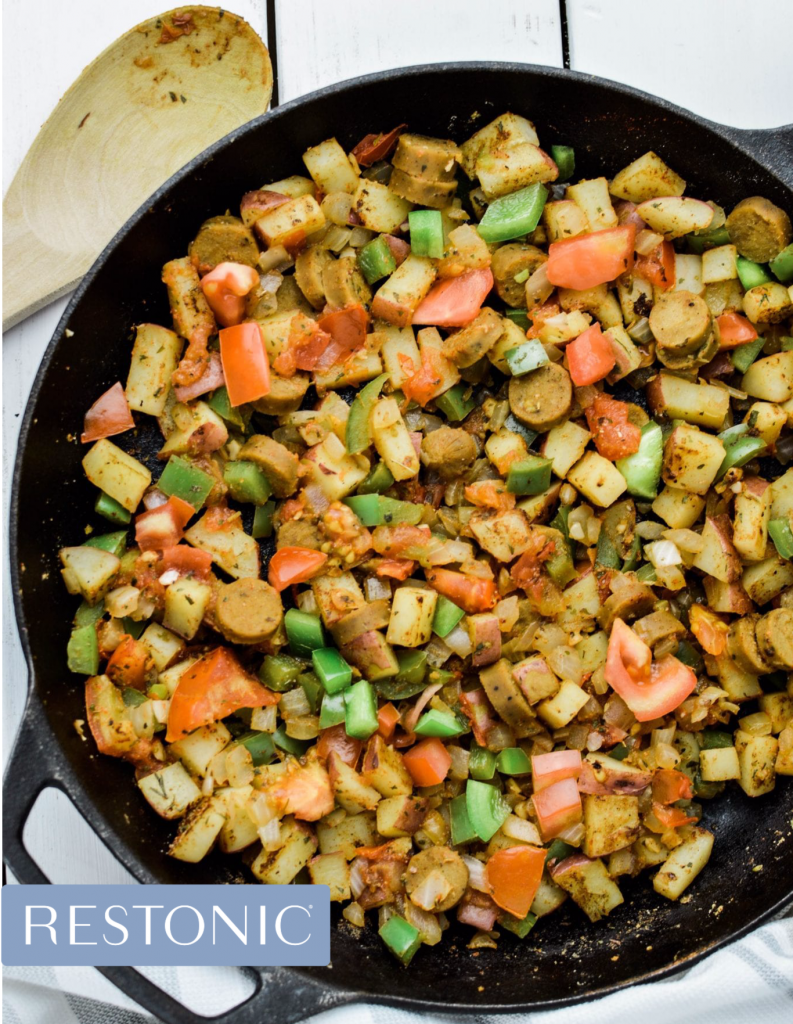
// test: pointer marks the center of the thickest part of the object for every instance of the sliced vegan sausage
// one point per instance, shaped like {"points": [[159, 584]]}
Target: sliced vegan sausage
{"points": [[299, 533], [289, 296], [759, 229], [450, 451], [309, 267], [344, 284], [512, 260], [279, 464], [248, 611], [775, 638], [437, 860], [743, 646], [681, 324], [286, 395], [435, 194], [424, 157], [470, 343], [220, 240], [543, 397]]}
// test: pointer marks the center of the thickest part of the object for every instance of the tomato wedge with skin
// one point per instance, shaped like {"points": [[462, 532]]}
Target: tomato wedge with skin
{"points": [[213, 688], [468, 592], [546, 769], [127, 664], [455, 301], [650, 689], [590, 357], [589, 260], [558, 807], [245, 364], [426, 382], [347, 330], [294, 565], [514, 876], [225, 289], [658, 267], [372, 148], [669, 786], [186, 561], [163, 526], [428, 762], [734, 330], [108, 416], [614, 435], [709, 629]]}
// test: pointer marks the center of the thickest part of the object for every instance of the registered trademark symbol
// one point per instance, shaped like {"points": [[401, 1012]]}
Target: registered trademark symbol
{"points": [[311, 906]]}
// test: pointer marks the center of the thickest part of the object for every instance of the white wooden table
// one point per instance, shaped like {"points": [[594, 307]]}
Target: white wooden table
{"points": [[711, 56]]}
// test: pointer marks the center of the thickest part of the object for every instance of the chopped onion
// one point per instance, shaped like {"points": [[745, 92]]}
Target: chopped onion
{"points": [[142, 719], [161, 709], [270, 835], [270, 282], [153, 498], [663, 553], [260, 809], [437, 652], [316, 499], [666, 756], [357, 884], [208, 786], [336, 238], [426, 924], [217, 768], [168, 577], [647, 241], [516, 828], [574, 835], [123, 601], [239, 766], [685, 540], [294, 703], [432, 891], [639, 331], [500, 736], [477, 874], [538, 287], [459, 642], [360, 236], [566, 663], [304, 727], [274, 258], [508, 612], [450, 551], [666, 735], [548, 637], [306, 602], [376, 589], [353, 913], [459, 766], [650, 530], [264, 719]]}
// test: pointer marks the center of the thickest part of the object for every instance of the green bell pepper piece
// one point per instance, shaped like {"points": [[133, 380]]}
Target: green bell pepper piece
{"points": [[780, 533], [453, 403], [280, 672], [461, 827], [376, 510], [518, 927], [560, 523], [513, 761], [743, 356], [333, 710], [564, 158], [481, 763], [531, 475], [376, 260], [689, 656], [519, 317], [378, 479], [401, 938], [447, 615], [559, 849], [247, 482], [620, 752], [304, 632], [560, 565], [185, 481], [288, 743], [739, 448], [361, 710], [333, 671], [781, 266], [87, 614], [110, 509], [699, 241], [606, 553], [752, 274], [786, 345], [712, 739], [260, 745], [438, 723], [409, 680], [133, 698], [115, 543], [707, 790], [263, 520], [514, 215], [158, 691], [133, 627], [646, 574], [642, 470], [313, 690], [426, 233], [82, 651], [220, 403], [528, 356], [358, 436], [486, 807]]}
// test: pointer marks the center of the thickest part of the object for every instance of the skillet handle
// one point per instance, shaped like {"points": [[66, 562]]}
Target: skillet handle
{"points": [[281, 996], [772, 147]]}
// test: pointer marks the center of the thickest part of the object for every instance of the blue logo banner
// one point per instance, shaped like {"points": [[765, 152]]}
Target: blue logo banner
{"points": [[173, 925]]}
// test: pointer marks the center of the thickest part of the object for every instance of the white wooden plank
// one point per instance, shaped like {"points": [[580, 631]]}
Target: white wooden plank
{"points": [[727, 61], [323, 43]]}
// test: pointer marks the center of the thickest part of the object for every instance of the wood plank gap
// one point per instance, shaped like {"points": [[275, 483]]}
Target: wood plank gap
{"points": [[272, 45], [565, 33]]}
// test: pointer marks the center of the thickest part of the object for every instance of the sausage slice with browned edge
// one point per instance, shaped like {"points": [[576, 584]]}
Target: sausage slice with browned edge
{"points": [[248, 611], [543, 397]]}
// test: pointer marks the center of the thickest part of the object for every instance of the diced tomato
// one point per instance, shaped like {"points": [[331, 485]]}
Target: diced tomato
{"points": [[709, 629], [302, 790], [468, 592], [734, 330], [401, 541], [211, 378], [539, 314], [476, 708], [546, 769], [455, 301], [225, 289], [658, 267], [558, 807], [387, 719], [614, 435], [372, 148], [395, 568], [669, 786], [294, 565], [428, 381], [428, 762], [589, 260], [514, 876], [490, 494], [163, 526], [390, 851], [305, 346], [335, 739], [108, 416], [213, 688], [672, 817], [186, 560], [347, 330], [528, 574], [650, 689], [127, 664], [245, 364], [590, 357]]}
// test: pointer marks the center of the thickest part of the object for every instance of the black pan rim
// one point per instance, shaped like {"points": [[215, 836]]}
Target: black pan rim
{"points": [[733, 136]]}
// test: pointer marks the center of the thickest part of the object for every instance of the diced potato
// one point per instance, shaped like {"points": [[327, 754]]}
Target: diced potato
{"points": [[646, 178], [597, 479], [779, 708], [162, 644], [379, 208], [363, 365], [628, 356], [549, 897], [337, 596], [392, 440], [170, 791], [674, 216], [649, 852], [611, 823], [505, 447], [399, 353], [784, 757], [399, 296], [349, 789], [511, 337], [412, 611], [583, 604], [720, 764], [767, 420], [593, 198], [330, 167], [564, 446], [592, 651], [679, 399], [155, 356], [281, 866], [564, 219], [718, 556], [296, 219], [561, 709], [445, 372], [234, 550], [678, 509], [294, 186], [535, 679], [239, 830], [635, 296], [116, 473], [384, 768], [756, 756], [186, 601], [683, 864], [719, 264], [752, 513], [691, 459], [504, 535], [275, 332], [197, 427], [539, 506], [766, 580], [771, 378], [688, 273], [590, 885], [781, 495], [739, 684], [400, 816], [506, 130], [336, 473], [89, 571], [197, 750], [768, 304], [346, 836], [508, 168], [331, 869], [198, 831]]}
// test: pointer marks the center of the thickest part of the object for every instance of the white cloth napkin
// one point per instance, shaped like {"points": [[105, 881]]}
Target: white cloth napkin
{"points": [[750, 980]]}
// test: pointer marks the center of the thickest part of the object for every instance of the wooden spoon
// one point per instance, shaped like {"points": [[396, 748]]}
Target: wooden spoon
{"points": [[150, 102]]}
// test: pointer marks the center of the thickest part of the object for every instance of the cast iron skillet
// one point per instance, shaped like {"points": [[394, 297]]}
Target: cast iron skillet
{"points": [[565, 959]]}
